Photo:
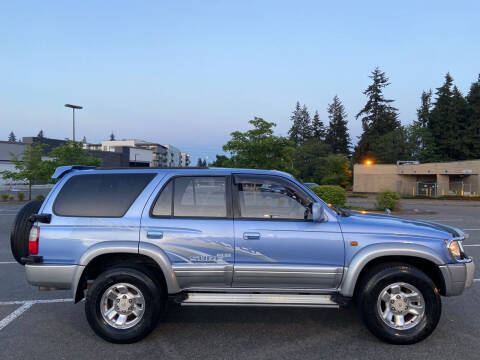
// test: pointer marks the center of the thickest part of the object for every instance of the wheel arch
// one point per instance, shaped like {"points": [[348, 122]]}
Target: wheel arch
{"points": [[103, 255], [419, 256]]}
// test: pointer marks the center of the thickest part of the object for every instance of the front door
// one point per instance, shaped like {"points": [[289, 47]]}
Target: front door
{"points": [[277, 245], [191, 221]]}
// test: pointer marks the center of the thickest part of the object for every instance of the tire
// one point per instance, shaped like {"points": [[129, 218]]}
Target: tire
{"points": [[388, 291], [113, 282], [21, 230]]}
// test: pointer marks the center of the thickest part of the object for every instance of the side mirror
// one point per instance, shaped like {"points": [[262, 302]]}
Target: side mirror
{"points": [[318, 213]]}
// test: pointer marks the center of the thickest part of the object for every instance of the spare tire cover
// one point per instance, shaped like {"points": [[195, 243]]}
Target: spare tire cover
{"points": [[21, 230]]}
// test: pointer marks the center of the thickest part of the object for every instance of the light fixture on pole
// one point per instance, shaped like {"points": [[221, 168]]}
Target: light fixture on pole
{"points": [[73, 107]]}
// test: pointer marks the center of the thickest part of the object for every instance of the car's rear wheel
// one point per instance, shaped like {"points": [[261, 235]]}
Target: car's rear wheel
{"points": [[399, 303], [124, 304]]}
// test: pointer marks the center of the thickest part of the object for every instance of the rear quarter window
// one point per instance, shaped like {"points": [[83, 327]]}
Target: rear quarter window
{"points": [[100, 195]]}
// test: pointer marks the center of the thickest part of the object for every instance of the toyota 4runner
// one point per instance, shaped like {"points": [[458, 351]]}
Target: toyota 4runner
{"points": [[128, 240]]}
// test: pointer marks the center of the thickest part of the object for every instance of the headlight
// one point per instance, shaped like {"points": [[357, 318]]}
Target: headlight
{"points": [[455, 249]]}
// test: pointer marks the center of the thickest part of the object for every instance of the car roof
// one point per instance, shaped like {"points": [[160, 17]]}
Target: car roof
{"points": [[62, 170]]}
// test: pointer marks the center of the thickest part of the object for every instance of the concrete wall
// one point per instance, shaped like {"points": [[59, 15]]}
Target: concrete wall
{"points": [[374, 178], [7, 149]]}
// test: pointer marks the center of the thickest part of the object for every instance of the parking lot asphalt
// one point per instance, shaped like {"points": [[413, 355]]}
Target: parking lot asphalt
{"points": [[59, 330]]}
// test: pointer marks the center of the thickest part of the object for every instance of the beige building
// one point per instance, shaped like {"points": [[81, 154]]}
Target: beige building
{"points": [[429, 179]]}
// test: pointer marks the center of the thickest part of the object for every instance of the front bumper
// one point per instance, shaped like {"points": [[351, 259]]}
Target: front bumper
{"points": [[457, 277], [53, 276]]}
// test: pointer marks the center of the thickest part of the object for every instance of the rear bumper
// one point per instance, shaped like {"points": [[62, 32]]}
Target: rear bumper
{"points": [[53, 276], [457, 277]]}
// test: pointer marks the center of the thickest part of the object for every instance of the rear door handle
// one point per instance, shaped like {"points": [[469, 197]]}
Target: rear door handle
{"points": [[251, 236], [154, 234]]}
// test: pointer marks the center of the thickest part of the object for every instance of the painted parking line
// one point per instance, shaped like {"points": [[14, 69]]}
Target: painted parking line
{"points": [[44, 301], [7, 262], [25, 305], [7, 320]]}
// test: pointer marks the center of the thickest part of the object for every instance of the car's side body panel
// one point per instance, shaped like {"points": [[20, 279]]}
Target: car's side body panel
{"points": [[288, 254]]}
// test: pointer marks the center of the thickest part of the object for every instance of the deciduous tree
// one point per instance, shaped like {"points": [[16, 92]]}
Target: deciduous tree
{"points": [[259, 148], [29, 167]]}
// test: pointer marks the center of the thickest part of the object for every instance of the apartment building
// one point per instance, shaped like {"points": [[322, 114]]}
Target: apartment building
{"points": [[185, 160]]}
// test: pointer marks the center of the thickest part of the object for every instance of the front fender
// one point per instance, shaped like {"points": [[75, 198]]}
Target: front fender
{"points": [[374, 251]]}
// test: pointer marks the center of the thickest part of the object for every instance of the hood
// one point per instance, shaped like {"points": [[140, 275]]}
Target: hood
{"points": [[382, 224]]}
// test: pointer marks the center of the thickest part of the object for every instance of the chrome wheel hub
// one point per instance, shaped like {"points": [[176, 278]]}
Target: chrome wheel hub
{"points": [[122, 305], [401, 306]]}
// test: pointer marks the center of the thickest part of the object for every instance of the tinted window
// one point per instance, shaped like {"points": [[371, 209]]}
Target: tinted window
{"points": [[163, 205], [100, 195], [271, 198], [193, 197]]}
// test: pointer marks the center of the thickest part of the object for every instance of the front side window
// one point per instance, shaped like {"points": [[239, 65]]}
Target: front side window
{"points": [[271, 198], [190, 196]]}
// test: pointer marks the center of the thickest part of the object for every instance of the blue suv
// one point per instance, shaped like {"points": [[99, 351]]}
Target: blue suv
{"points": [[129, 240]]}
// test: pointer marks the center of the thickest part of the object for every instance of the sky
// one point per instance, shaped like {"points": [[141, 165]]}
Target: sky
{"points": [[189, 73]]}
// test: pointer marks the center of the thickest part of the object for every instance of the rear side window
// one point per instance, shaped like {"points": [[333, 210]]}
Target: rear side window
{"points": [[100, 195], [187, 196]]}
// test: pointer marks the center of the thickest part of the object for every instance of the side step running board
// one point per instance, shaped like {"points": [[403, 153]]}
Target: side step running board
{"points": [[235, 299]]}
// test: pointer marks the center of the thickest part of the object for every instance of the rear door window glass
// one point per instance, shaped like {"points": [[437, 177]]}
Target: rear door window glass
{"points": [[100, 195], [193, 196]]}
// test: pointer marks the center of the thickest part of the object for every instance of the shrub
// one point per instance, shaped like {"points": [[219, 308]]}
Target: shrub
{"points": [[20, 196], [11, 197], [387, 200], [40, 197], [331, 194], [4, 197]]}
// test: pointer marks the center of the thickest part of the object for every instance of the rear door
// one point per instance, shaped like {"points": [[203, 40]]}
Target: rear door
{"points": [[190, 220], [277, 243]]}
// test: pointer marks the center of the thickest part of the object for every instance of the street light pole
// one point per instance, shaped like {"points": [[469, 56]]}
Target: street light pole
{"points": [[73, 107]]}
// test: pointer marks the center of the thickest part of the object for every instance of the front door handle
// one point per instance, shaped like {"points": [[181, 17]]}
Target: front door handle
{"points": [[251, 236], [154, 234]]}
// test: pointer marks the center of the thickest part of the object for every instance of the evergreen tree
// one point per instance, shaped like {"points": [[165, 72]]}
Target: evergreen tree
{"points": [[318, 128], [461, 138], [199, 162], [337, 134], [112, 136], [448, 122], [84, 140], [473, 124], [40, 134], [420, 140], [378, 117], [441, 118], [423, 112], [301, 129], [12, 138]]}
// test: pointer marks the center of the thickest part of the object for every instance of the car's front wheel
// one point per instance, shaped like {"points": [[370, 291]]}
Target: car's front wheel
{"points": [[124, 304], [399, 303]]}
